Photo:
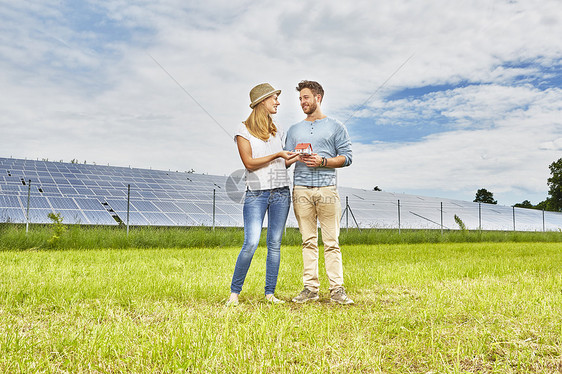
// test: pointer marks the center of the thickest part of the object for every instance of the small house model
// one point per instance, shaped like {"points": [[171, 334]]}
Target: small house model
{"points": [[304, 148]]}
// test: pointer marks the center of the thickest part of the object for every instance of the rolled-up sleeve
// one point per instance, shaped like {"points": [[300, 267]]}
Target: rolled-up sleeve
{"points": [[343, 145], [290, 141]]}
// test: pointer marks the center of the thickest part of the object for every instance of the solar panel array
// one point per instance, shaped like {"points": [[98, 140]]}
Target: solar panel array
{"points": [[379, 209], [100, 195]]}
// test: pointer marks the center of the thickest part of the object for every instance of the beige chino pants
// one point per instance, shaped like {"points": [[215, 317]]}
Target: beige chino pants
{"points": [[315, 205]]}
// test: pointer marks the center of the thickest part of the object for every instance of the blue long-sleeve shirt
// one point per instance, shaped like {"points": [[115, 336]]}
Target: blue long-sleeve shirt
{"points": [[329, 138]]}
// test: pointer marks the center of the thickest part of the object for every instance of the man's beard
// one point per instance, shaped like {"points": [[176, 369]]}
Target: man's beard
{"points": [[311, 108]]}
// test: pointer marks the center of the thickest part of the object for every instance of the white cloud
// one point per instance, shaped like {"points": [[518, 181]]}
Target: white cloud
{"points": [[554, 145], [92, 91], [510, 156]]}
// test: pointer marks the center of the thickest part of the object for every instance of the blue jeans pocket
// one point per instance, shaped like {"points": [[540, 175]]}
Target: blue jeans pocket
{"points": [[252, 195]]}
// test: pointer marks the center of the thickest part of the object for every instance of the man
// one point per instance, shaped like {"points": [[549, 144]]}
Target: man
{"points": [[315, 196]]}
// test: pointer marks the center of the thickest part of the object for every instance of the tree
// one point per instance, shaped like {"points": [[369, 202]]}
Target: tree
{"points": [[555, 186], [544, 205], [484, 196], [525, 204]]}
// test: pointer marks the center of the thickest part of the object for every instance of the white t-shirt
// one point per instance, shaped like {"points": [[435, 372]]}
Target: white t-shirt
{"points": [[271, 175]]}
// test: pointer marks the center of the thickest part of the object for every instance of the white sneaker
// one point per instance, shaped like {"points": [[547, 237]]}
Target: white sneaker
{"points": [[273, 300]]}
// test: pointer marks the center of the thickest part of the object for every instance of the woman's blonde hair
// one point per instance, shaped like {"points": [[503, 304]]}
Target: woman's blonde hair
{"points": [[260, 124]]}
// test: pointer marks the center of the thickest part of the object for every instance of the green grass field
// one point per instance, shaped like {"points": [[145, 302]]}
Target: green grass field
{"points": [[15, 237], [420, 308]]}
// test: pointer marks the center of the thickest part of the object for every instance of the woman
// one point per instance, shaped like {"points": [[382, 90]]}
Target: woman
{"points": [[260, 144]]}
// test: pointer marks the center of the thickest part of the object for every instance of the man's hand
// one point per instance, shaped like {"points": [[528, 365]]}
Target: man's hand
{"points": [[313, 160]]}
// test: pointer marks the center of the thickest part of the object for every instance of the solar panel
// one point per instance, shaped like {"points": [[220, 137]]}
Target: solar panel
{"points": [[167, 207], [62, 182], [117, 193], [119, 205], [17, 188], [13, 215], [186, 199], [135, 218], [146, 194], [182, 219], [48, 189], [144, 206], [73, 216], [100, 217], [158, 219], [89, 204], [84, 191], [189, 207], [8, 201], [39, 215], [59, 203], [39, 202], [202, 219], [232, 209]]}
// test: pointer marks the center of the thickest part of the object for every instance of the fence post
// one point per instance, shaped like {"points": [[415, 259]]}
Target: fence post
{"points": [[399, 225], [214, 199], [128, 203], [480, 216], [27, 210], [441, 218], [543, 226], [514, 218]]}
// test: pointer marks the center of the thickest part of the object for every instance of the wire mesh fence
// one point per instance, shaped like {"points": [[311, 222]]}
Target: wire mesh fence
{"points": [[103, 195], [383, 212], [447, 215]]}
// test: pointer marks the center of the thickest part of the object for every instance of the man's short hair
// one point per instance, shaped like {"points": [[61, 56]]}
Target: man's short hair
{"points": [[313, 86]]}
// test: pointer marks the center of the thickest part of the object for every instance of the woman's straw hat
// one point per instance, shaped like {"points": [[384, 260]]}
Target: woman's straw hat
{"points": [[261, 92]]}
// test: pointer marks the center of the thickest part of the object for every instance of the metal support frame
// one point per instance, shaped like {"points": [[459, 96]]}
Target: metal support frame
{"points": [[346, 214]]}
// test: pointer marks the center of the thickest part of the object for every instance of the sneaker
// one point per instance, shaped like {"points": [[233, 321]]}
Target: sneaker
{"points": [[306, 295], [339, 296], [273, 300]]}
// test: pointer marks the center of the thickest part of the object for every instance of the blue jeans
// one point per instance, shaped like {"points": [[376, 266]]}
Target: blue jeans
{"points": [[276, 203]]}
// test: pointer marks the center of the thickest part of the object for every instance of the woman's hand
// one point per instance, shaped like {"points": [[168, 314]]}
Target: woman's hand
{"points": [[290, 157], [250, 163], [287, 155]]}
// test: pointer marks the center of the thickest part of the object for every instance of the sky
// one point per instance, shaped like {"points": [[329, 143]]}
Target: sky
{"points": [[440, 98]]}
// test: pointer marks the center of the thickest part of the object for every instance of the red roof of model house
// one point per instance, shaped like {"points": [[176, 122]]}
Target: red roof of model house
{"points": [[303, 148]]}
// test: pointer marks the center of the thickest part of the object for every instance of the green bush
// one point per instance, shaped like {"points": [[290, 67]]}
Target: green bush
{"points": [[58, 229]]}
